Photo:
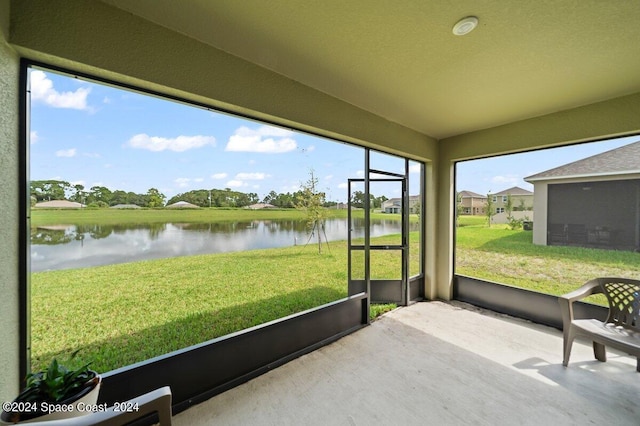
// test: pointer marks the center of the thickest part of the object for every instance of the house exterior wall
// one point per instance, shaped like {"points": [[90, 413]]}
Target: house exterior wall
{"points": [[540, 209], [10, 284], [607, 208], [517, 201], [394, 205], [473, 205]]}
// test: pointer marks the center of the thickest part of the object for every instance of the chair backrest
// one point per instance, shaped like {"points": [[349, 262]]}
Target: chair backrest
{"points": [[623, 295]]}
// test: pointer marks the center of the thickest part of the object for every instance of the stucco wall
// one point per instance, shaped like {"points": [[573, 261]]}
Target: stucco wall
{"points": [[9, 325]]}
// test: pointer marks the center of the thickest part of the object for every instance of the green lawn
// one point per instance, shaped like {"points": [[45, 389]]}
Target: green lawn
{"points": [[509, 257], [120, 314]]}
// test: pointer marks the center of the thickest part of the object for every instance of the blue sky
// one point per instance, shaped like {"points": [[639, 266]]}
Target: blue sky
{"points": [[495, 174], [92, 134]]}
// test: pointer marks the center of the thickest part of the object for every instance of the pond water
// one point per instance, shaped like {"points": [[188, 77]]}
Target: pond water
{"points": [[77, 246]]}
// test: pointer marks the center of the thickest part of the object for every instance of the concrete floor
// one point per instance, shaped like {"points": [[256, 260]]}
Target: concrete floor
{"points": [[436, 363]]}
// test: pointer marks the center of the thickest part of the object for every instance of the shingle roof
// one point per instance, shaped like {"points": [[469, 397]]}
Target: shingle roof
{"points": [[514, 191], [411, 197], [183, 205], [625, 159], [60, 204], [471, 194]]}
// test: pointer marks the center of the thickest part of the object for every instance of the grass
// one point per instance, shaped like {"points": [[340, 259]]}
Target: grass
{"points": [[509, 257], [121, 314]]}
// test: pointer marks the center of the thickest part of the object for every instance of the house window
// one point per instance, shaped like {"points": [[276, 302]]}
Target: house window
{"points": [[499, 209], [504, 198], [495, 198]]}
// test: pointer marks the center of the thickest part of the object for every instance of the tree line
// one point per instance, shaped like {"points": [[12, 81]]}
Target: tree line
{"points": [[101, 196], [96, 196]]}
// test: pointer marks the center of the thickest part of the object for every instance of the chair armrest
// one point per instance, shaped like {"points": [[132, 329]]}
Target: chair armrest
{"points": [[566, 300], [587, 289]]}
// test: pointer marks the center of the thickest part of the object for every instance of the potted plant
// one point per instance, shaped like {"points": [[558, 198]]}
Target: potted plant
{"points": [[54, 393]]}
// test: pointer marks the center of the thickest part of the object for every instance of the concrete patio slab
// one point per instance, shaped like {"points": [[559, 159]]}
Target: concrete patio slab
{"points": [[436, 363]]}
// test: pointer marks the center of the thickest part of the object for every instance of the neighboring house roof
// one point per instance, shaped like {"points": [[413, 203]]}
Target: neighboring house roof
{"points": [[471, 194], [125, 206], [623, 160], [259, 206], [411, 198], [183, 205], [516, 190], [60, 204]]}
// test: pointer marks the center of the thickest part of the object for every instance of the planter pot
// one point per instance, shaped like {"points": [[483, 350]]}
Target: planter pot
{"points": [[84, 402]]}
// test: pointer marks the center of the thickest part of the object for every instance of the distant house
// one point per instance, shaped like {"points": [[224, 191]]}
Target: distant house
{"points": [[59, 204], [591, 202], [125, 206], [182, 205], [472, 203], [259, 206], [521, 200], [394, 205]]}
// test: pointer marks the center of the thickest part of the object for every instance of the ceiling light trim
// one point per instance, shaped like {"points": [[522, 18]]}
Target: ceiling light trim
{"points": [[465, 25]]}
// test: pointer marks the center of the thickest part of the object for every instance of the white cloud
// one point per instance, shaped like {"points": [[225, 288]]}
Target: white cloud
{"points": [[182, 182], [328, 177], [289, 188], [42, 90], [265, 139], [360, 173], [343, 185], [179, 144], [506, 180], [252, 176], [236, 184], [66, 153], [92, 155], [33, 137], [414, 168], [219, 176]]}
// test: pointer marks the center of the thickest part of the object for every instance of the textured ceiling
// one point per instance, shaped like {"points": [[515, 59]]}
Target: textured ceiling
{"points": [[400, 60]]}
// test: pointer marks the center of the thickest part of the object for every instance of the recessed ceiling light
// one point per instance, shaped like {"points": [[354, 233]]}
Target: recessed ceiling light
{"points": [[465, 25]]}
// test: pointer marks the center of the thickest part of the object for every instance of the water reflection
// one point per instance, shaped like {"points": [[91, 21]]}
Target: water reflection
{"points": [[76, 246]]}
